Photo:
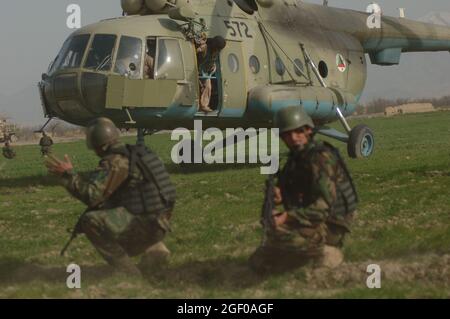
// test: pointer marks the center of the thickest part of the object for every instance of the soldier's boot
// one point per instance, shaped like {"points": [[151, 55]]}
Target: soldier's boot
{"points": [[155, 256], [107, 246], [124, 265], [206, 109], [332, 257]]}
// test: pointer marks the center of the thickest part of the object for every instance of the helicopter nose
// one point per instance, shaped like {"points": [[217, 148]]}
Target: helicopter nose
{"points": [[75, 97]]}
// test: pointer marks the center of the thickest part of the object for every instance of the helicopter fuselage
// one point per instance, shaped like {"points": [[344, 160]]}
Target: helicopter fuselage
{"points": [[290, 54]]}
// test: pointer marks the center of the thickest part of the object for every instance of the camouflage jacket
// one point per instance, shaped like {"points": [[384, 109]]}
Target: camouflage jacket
{"points": [[95, 189], [308, 184]]}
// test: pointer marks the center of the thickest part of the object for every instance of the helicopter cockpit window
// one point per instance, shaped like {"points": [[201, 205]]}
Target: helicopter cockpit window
{"points": [[149, 60], [169, 61], [129, 57], [100, 52], [71, 53]]}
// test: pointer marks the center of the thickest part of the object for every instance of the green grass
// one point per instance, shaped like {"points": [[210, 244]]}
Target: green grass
{"points": [[403, 222]]}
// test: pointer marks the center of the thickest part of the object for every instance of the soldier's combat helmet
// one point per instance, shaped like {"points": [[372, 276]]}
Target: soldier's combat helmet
{"points": [[291, 118], [100, 133]]}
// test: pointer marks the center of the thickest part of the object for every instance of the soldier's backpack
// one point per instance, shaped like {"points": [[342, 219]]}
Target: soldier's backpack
{"points": [[347, 197], [155, 193]]}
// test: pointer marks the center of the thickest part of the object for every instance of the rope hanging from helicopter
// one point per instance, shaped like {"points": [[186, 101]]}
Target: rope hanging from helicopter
{"points": [[194, 30]]}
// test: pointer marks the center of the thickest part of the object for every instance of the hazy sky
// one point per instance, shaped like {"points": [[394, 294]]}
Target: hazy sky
{"points": [[32, 32]]}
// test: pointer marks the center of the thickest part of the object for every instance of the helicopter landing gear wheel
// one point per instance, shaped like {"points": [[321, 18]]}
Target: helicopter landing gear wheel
{"points": [[361, 142]]}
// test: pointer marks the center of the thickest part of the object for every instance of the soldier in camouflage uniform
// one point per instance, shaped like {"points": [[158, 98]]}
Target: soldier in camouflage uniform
{"points": [[130, 199], [318, 199], [8, 151], [46, 144]]}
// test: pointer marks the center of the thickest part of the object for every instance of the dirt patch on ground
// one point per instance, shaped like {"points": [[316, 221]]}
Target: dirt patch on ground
{"points": [[424, 268]]}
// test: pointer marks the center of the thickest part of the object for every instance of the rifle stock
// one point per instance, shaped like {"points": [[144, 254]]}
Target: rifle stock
{"points": [[75, 232], [269, 204]]}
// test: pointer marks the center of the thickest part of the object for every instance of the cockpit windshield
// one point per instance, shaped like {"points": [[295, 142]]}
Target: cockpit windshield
{"points": [[170, 61], [129, 57], [71, 53], [101, 52], [162, 58]]}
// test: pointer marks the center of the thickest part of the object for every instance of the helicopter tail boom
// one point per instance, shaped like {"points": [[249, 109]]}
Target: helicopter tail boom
{"points": [[399, 35]]}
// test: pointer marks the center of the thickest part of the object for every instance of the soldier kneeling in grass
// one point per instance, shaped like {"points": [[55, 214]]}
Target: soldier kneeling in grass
{"points": [[130, 199], [318, 199]]}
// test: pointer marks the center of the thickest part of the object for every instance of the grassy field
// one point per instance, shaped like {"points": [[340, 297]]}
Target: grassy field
{"points": [[402, 225]]}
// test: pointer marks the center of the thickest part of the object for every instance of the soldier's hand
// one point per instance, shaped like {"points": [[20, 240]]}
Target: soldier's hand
{"points": [[277, 198], [279, 218], [58, 167]]}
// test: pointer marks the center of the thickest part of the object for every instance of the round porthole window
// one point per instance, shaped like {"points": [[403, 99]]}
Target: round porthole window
{"points": [[254, 64], [233, 63], [279, 67], [323, 69], [298, 67]]}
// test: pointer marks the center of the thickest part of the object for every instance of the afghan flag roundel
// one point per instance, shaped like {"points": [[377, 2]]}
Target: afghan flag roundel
{"points": [[341, 63]]}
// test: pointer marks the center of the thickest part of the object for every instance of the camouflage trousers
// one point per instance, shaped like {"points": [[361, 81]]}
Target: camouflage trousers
{"points": [[46, 150], [287, 248], [117, 234]]}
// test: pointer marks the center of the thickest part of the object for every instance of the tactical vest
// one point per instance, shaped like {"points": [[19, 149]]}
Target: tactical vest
{"points": [[148, 189], [296, 179]]}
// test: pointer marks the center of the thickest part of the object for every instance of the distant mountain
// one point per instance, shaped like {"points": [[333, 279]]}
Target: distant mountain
{"points": [[442, 18]]}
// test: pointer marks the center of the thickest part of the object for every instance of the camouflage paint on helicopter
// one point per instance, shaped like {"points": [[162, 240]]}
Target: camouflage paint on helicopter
{"points": [[278, 54]]}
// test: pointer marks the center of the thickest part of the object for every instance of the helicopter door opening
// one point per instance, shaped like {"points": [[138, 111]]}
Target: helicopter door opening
{"points": [[149, 60], [209, 99]]}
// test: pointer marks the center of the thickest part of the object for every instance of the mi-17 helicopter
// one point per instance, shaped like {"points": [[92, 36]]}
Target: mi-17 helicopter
{"points": [[278, 53]]}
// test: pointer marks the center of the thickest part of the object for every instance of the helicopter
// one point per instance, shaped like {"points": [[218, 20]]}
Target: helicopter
{"points": [[278, 53]]}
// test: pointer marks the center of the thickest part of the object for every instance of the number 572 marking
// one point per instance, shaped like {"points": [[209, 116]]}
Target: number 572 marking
{"points": [[238, 27]]}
